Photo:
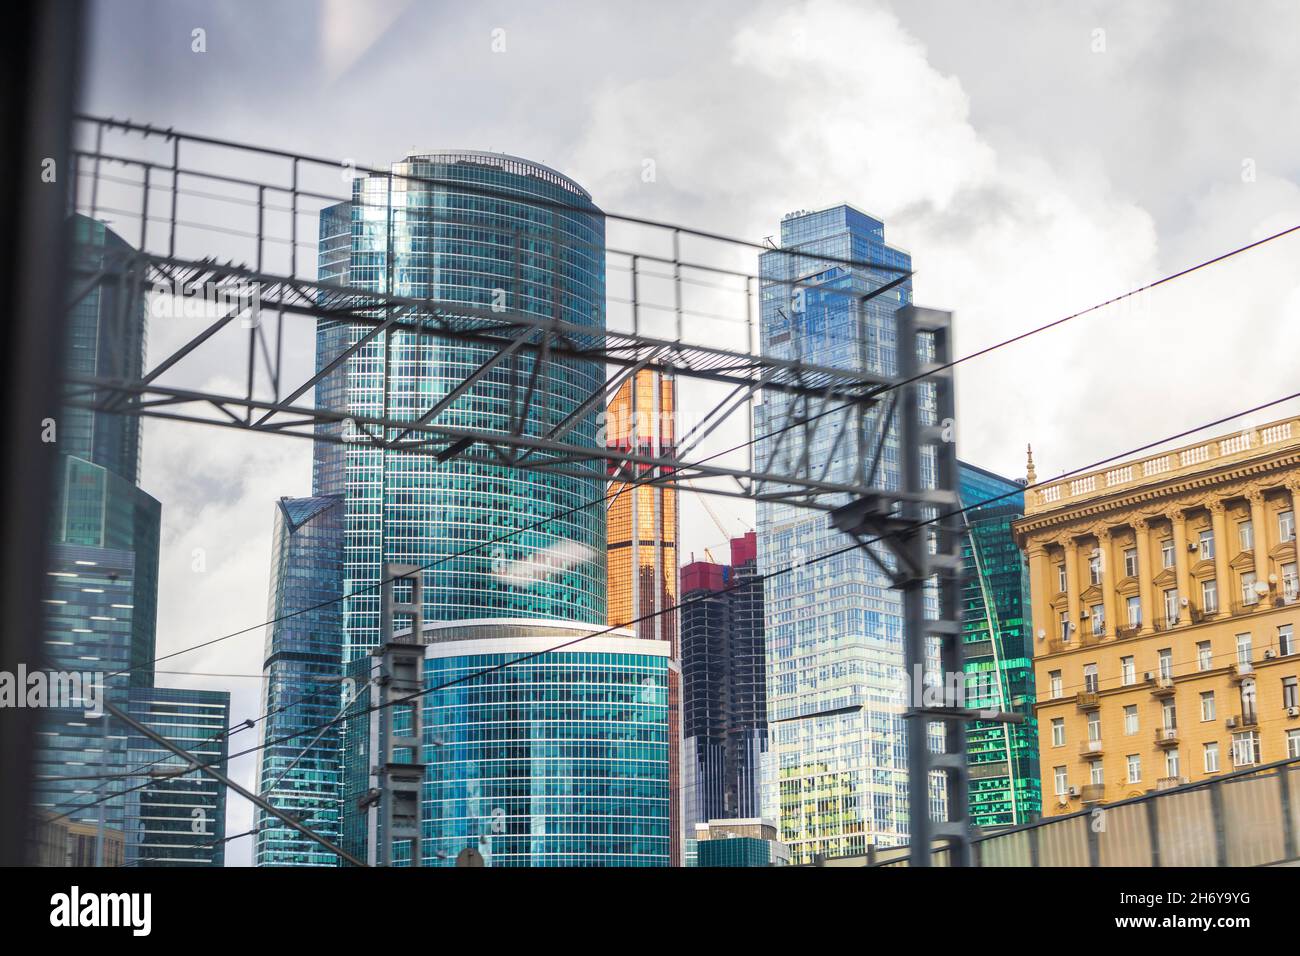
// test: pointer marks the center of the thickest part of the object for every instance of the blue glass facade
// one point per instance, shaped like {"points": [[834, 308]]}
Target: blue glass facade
{"points": [[1005, 785], [837, 779], [88, 630], [179, 820], [562, 760], [303, 670], [489, 253], [102, 581], [571, 750]]}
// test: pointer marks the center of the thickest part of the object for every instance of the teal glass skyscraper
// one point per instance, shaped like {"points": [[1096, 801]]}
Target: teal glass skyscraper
{"points": [[836, 768], [102, 579], [1005, 784], [564, 762], [447, 226]]}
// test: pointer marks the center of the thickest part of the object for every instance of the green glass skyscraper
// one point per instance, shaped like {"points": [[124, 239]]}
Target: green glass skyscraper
{"points": [[1005, 785]]}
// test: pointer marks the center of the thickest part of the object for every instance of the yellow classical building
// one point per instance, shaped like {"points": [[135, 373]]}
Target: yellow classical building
{"points": [[1165, 611]]}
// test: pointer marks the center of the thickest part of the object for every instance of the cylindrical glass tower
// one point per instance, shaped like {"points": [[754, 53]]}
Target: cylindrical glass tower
{"points": [[487, 234], [561, 759]]}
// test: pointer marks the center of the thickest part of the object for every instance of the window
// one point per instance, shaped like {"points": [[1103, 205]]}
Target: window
{"points": [[1134, 605], [1127, 671], [1210, 596], [1094, 726], [1290, 582], [1134, 768], [1062, 781], [1212, 758], [1293, 744], [1286, 526], [1054, 679], [1248, 595], [1166, 662], [1060, 578], [1285, 640], [1245, 748], [1171, 605], [1248, 699], [1130, 719], [1058, 731], [1207, 705], [1167, 553], [1206, 545], [1243, 648], [1168, 714], [1065, 625], [1246, 535], [1130, 562], [1171, 762], [1204, 659], [1090, 678], [1095, 775], [1290, 692], [1094, 568], [1098, 620]]}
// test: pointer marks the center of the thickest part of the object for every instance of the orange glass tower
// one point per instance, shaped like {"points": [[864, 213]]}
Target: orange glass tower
{"points": [[642, 545], [642, 519]]}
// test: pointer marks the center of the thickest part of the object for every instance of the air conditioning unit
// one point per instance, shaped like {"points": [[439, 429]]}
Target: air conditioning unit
{"points": [[1192, 545], [1270, 654], [1183, 602], [1148, 677], [1230, 723], [1293, 711], [1075, 791]]}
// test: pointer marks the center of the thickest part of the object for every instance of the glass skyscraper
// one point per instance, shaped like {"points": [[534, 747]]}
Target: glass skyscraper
{"points": [[303, 671], [179, 819], [834, 628], [572, 749], [102, 582], [429, 230], [561, 760], [1005, 785]]}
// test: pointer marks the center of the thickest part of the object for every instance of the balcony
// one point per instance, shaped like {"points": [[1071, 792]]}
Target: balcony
{"points": [[1087, 700], [1087, 638], [1091, 748], [1238, 721], [1166, 736], [1240, 671], [1166, 623], [1124, 633], [1248, 607], [1162, 686], [1092, 793], [1168, 783]]}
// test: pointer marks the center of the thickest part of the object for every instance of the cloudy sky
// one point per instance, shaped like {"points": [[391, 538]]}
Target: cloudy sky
{"points": [[1034, 158]]}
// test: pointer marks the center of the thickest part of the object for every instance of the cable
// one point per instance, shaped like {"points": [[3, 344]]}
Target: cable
{"points": [[776, 573], [802, 421]]}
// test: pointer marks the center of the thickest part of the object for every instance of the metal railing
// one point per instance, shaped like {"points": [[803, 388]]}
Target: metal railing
{"points": [[1249, 817]]}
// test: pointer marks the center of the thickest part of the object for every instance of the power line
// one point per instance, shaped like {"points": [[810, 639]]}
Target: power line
{"points": [[916, 526], [802, 421]]}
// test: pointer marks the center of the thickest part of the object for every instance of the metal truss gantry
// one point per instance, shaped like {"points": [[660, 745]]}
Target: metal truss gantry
{"points": [[669, 309], [671, 320]]}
